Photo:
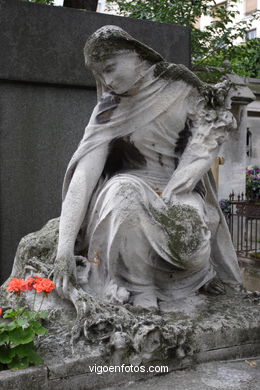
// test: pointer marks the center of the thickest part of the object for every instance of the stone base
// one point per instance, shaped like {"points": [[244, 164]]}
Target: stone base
{"points": [[196, 329], [205, 329]]}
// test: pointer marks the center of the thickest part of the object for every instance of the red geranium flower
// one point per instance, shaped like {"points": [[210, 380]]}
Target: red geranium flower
{"points": [[44, 285], [38, 278], [30, 283], [1, 311], [17, 285]]}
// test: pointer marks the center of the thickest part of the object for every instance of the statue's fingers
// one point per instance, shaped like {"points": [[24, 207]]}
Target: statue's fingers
{"points": [[220, 290], [80, 260], [216, 290], [219, 286]]}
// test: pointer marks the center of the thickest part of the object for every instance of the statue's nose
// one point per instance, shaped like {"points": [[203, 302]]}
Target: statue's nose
{"points": [[108, 81]]}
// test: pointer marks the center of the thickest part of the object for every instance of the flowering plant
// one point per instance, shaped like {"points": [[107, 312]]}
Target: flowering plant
{"points": [[225, 206], [19, 327], [253, 182]]}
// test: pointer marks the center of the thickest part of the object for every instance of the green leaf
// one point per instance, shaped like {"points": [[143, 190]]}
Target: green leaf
{"points": [[38, 328], [43, 314], [24, 350], [29, 351], [18, 363], [6, 354], [22, 322], [29, 315], [35, 358], [21, 336], [8, 326], [4, 337], [10, 313]]}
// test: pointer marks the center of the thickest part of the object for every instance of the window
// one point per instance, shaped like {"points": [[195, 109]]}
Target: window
{"points": [[251, 6], [251, 34]]}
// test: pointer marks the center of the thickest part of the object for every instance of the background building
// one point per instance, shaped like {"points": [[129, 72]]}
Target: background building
{"points": [[245, 8]]}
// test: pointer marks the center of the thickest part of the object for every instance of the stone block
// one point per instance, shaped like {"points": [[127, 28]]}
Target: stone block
{"points": [[45, 44]]}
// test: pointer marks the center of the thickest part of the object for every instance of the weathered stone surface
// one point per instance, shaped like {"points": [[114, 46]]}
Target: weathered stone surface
{"points": [[45, 44], [32, 378], [196, 329], [231, 375]]}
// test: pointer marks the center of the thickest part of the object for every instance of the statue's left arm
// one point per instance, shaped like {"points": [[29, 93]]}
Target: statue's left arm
{"points": [[209, 128]]}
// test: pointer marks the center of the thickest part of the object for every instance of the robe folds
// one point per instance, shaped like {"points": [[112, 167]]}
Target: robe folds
{"points": [[169, 128]]}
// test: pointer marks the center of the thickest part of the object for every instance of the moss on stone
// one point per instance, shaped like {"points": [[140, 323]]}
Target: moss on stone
{"points": [[183, 226], [212, 95], [178, 72], [109, 40]]}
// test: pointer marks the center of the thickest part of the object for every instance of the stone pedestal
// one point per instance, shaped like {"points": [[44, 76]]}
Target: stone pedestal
{"points": [[199, 329]]}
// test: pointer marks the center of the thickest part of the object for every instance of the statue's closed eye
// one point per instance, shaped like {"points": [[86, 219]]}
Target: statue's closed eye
{"points": [[109, 69]]}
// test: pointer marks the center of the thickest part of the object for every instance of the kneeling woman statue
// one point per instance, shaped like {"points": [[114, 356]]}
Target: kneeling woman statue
{"points": [[138, 198]]}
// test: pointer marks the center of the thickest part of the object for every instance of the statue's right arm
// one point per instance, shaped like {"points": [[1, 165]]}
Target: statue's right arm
{"points": [[74, 207]]}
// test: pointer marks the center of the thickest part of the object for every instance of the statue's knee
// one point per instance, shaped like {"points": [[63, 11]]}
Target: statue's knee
{"points": [[189, 237], [125, 194]]}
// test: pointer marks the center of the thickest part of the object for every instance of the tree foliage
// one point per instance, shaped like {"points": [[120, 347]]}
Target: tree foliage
{"points": [[48, 2], [217, 42]]}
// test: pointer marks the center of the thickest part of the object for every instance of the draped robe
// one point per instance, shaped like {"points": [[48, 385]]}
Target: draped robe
{"points": [[164, 129]]}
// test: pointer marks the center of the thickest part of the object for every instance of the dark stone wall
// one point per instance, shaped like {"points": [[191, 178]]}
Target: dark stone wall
{"points": [[46, 99]]}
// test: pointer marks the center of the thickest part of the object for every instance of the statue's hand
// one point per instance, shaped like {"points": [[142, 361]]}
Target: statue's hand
{"points": [[179, 186], [65, 275]]}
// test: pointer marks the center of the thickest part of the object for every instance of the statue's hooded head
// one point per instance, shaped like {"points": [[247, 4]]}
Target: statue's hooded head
{"points": [[117, 60], [109, 40]]}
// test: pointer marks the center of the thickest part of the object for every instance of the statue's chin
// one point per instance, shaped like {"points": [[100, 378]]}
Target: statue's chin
{"points": [[119, 91]]}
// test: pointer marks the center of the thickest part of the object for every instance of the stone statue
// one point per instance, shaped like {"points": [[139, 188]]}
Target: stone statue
{"points": [[139, 205], [140, 226]]}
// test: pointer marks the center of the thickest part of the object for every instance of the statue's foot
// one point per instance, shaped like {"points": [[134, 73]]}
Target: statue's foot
{"points": [[214, 287], [146, 300], [116, 294]]}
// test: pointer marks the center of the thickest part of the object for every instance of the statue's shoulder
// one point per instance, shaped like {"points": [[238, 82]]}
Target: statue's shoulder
{"points": [[176, 72], [214, 95]]}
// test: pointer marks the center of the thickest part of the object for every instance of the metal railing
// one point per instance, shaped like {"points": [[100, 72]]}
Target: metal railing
{"points": [[243, 218]]}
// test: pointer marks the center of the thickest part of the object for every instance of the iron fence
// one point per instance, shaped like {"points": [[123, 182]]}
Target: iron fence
{"points": [[243, 218]]}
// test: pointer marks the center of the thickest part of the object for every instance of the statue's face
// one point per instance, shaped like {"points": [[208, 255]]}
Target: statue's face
{"points": [[121, 71]]}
